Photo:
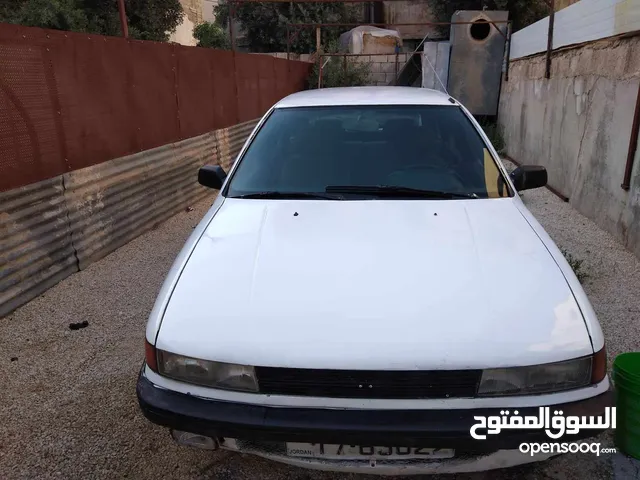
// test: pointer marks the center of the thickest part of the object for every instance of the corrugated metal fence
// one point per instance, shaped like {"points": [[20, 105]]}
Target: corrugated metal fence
{"points": [[71, 100], [55, 227]]}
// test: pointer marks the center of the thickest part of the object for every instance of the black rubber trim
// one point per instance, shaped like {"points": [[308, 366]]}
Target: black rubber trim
{"points": [[425, 428]]}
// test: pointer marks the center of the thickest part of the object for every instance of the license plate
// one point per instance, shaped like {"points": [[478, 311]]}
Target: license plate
{"points": [[359, 452]]}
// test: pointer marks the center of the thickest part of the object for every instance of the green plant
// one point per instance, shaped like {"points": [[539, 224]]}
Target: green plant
{"points": [[340, 72], [147, 19], [211, 35], [492, 130], [265, 24], [576, 264]]}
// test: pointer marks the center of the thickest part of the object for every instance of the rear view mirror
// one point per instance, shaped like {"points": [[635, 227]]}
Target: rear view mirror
{"points": [[212, 176], [529, 176]]}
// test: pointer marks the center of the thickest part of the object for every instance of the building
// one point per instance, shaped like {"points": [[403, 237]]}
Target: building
{"points": [[207, 12], [193, 15]]}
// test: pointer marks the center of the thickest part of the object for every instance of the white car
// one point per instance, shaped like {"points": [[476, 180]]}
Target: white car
{"points": [[366, 285]]}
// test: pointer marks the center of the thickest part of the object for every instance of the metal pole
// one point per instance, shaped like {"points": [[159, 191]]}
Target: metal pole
{"points": [[552, 5], [318, 47], [231, 32], [123, 19], [288, 42], [508, 53], [397, 64], [633, 145]]}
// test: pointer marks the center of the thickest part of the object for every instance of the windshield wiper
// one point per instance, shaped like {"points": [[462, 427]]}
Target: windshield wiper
{"points": [[395, 191], [274, 194]]}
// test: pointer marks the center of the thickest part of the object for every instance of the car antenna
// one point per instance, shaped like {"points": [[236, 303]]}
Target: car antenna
{"points": [[444, 89]]}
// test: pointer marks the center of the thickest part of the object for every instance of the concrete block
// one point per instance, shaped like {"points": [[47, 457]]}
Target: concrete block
{"points": [[389, 67], [379, 58], [362, 58], [378, 78], [389, 77]]}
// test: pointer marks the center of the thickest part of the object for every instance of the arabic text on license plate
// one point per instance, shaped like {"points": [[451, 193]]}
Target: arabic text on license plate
{"points": [[346, 452]]}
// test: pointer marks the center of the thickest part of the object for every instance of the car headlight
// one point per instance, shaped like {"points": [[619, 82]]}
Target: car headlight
{"points": [[546, 378], [228, 376]]}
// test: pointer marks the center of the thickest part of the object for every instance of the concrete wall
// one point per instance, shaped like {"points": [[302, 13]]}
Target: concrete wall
{"points": [[584, 21], [578, 125], [207, 10]]}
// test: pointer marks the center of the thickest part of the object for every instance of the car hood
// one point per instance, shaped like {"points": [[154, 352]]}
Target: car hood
{"points": [[377, 284]]}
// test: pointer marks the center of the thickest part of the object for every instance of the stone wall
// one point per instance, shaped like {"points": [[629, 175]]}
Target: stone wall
{"points": [[578, 124], [383, 67]]}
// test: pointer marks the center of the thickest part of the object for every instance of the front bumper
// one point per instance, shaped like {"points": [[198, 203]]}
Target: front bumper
{"points": [[419, 428]]}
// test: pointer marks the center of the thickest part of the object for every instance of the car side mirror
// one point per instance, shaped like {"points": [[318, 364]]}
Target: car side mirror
{"points": [[529, 176], [212, 176]]}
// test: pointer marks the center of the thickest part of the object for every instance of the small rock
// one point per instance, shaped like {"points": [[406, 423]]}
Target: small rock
{"points": [[189, 209], [14, 359], [78, 326]]}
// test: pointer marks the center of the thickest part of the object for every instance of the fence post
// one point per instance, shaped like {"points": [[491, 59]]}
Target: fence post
{"points": [[552, 16], [123, 19], [318, 48], [231, 32]]}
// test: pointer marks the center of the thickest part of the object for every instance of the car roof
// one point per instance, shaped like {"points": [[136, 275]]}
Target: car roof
{"points": [[366, 96]]}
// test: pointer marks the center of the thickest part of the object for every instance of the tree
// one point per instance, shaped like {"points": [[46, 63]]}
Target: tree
{"points": [[148, 19], [153, 19], [265, 24], [211, 35], [339, 71], [56, 14], [521, 12]]}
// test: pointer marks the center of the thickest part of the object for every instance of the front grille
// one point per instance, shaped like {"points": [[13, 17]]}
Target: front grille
{"points": [[368, 383]]}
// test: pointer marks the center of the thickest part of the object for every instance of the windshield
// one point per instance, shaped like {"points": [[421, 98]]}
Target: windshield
{"points": [[320, 149]]}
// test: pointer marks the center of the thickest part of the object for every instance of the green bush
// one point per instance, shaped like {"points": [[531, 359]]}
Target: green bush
{"points": [[492, 131], [576, 265], [211, 35], [336, 72]]}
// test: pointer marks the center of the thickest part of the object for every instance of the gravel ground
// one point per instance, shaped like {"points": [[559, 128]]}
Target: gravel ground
{"points": [[67, 398]]}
